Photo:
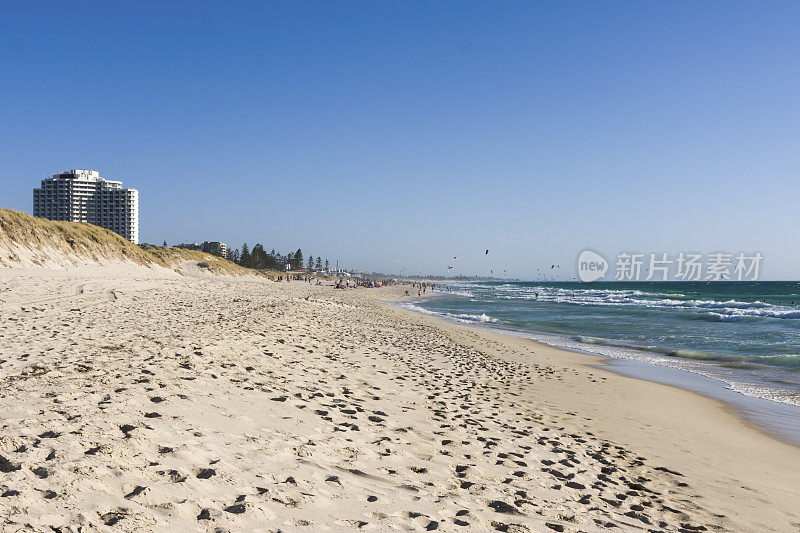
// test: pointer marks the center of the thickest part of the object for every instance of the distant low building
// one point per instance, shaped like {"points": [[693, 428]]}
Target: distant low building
{"points": [[83, 196], [215, 248]]}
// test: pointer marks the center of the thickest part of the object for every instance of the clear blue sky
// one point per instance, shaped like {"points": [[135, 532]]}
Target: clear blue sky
{"points": [[377, 131]]}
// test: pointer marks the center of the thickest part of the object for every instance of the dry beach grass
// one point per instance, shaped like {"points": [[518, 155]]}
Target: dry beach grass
{"points": [[26, 241]]}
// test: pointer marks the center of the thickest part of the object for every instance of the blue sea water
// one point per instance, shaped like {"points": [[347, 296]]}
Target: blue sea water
{"points": [[745, 335]]}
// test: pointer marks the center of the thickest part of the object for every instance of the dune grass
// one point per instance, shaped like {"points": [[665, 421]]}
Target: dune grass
{"points": [[75, 238], [212, 263], [88, 242]]}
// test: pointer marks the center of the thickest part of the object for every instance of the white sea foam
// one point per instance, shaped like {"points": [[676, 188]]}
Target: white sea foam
{"points": [[456, 292], [462, 317], [418, 309], [786, 396], [727, 310], [737, 314], [689, 361], [483, 317]]}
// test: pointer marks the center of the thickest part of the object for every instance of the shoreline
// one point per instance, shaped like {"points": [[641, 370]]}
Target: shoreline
{"points": [[722, 332], [628, 368], [777, 419], [734, 436]]}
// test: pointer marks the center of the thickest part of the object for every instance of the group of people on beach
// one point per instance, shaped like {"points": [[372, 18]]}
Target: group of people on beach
{"points": [[291, 277], [367, 283], [345, 283], [421, 287]]}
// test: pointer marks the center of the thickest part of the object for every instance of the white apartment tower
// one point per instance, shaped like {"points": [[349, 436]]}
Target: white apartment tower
{"points": [[83, 196]]}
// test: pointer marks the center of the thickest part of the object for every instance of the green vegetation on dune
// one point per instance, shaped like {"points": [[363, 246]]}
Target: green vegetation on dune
{"points": [[212, 263]]}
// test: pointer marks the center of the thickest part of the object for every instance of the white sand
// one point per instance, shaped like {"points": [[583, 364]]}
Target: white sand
{"points": [[140, 401]]}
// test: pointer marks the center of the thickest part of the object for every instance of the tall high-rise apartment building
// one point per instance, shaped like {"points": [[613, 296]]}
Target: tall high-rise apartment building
{"points": [[83, 196]]}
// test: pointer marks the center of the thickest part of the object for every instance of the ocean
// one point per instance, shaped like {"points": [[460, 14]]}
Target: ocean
{"points": [[743, 335]]}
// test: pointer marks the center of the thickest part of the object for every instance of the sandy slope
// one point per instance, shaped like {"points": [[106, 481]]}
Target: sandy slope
{"points": [[145, 403]]}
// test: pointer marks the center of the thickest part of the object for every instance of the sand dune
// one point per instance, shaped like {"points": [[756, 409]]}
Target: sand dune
{"points": [[166, 403], [47, 245]]}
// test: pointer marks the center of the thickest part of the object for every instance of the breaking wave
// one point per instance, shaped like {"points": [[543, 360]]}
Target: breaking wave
{"points": [[723, 310]]}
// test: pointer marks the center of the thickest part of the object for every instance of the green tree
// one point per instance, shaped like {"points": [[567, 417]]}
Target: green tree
{"points": [[272, 260], [298, 259], [310, 262], [318, 265], [258, 256], [327, 265], [244, 257]]}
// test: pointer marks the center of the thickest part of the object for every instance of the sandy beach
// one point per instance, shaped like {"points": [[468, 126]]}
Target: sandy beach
{"points": [[136, 400]]}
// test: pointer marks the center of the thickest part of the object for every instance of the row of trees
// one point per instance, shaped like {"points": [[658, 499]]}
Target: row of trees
{"points": [[259, 258]]}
